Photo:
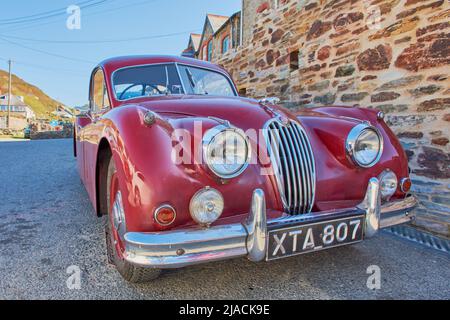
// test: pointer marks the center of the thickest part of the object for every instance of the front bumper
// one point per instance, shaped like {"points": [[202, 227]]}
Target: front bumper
{"points": [[180, 248]]}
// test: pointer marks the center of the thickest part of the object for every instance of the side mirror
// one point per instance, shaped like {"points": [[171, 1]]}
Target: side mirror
{"points": [[83, 113], [270, 100]]}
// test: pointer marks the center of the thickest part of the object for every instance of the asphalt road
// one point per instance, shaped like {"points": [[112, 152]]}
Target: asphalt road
{"points": [[47, 225]]}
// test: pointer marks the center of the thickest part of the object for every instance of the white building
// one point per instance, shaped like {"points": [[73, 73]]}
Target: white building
{"points": [[18, 106]]}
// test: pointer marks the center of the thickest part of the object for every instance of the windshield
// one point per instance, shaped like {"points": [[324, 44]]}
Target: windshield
{"points": [[203, 82], [146, 81], [164, 79]]}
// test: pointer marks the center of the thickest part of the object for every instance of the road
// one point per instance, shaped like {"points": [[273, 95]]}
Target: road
{"points": [[47, 225]]}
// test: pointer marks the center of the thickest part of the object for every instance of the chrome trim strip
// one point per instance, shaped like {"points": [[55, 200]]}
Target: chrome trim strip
{"points": [[180, 248]]}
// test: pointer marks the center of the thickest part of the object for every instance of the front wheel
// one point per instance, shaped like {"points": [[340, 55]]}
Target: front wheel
{"points": [[116, 225]]}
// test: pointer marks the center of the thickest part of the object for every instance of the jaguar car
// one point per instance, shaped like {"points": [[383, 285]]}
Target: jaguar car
{"points": [[186, 171]]}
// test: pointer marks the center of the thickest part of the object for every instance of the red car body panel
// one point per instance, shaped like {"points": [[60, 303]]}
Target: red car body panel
{"points": [[149, 178]]}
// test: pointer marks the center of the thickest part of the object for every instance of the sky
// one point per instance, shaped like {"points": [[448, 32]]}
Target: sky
{"points": [[47, 54]]}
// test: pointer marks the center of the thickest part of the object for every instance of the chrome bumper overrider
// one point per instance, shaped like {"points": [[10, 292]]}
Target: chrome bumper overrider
{"points": [[175, 249]]}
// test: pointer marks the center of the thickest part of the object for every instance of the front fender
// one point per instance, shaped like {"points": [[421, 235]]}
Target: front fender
{"points": [[340, 182], [149, 177]]}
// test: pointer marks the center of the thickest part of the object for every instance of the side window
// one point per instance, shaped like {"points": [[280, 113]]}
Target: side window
{"points": [[210, 50], [99, 93], [225, 44]]}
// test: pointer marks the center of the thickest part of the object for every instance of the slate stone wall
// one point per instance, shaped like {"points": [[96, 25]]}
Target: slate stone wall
{"points": [[393, 55]]}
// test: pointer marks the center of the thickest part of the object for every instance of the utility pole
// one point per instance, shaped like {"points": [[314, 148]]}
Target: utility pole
{"points": [[9, 95]]}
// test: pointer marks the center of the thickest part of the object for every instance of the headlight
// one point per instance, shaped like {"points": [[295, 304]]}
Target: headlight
{"points": [[206, 206], [365, 145], [388, 184], [226, 151]]}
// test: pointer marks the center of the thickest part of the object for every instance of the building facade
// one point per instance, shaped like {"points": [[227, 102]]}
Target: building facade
{"points": [[393, 55], [20, 113], [220, 36]]}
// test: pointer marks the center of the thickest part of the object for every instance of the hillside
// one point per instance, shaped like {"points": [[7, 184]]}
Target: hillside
{"points": [[41, 103]]}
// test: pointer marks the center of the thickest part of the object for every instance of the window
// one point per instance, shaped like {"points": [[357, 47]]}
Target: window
{"points": [[293, 57], [243, 92], [206, 82], [146, 81], [99, 98], [205, 53], [210, 50], [225, 44]]}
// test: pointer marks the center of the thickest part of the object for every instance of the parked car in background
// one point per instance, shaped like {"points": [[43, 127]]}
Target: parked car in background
{"points": [[27, 133], [269, 183]]}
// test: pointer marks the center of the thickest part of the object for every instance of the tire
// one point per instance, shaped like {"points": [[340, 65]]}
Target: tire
{"points": [[128, 271]]}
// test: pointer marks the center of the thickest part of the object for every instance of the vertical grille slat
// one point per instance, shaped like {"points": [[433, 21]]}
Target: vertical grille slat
{"points": [[307, 177], [292, 193], [285, 166], [304, 167], [293, 164], [298, 205], [312, 170], [274, 155]]}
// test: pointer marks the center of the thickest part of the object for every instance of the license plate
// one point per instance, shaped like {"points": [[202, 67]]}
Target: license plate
{"points": [[314, 237]]}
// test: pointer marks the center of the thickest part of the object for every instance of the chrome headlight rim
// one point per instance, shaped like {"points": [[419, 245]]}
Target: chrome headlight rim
{"points": [[352, 139], [210, 136]]}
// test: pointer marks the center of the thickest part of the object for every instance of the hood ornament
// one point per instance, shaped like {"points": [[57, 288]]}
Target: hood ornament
{"points": [[267, 104]]}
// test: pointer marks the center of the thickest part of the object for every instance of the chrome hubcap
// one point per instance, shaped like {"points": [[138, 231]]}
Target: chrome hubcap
{"points": [[118, 215]]}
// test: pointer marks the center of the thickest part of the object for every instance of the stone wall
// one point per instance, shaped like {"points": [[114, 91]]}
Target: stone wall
{"points": [[393, 55], [16, 123]]}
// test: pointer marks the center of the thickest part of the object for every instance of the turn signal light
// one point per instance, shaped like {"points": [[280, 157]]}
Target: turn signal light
{"points": [[406, 185], [165, 215]]}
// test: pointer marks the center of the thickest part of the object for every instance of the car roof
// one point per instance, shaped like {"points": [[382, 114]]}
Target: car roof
{"points": [[126, 61]]}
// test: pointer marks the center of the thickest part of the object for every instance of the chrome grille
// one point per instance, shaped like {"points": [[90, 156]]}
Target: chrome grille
{"points": [[293, 163]]}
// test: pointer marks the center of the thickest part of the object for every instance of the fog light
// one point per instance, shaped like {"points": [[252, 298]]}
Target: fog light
{"points": [[388, 184], [165, 215], [206, 206], [406, 185]]}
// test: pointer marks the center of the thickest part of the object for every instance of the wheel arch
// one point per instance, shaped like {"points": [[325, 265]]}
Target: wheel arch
{"points": [[104, 154]]}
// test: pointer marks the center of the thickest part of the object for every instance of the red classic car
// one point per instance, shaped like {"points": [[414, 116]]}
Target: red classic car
{"points": [[188, 172]]}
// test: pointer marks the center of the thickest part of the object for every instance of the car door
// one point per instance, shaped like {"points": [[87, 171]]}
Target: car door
{"points": [[92, 130]]}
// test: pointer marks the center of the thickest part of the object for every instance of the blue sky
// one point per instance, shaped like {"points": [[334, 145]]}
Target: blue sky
{"points": [[66, 80]]}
